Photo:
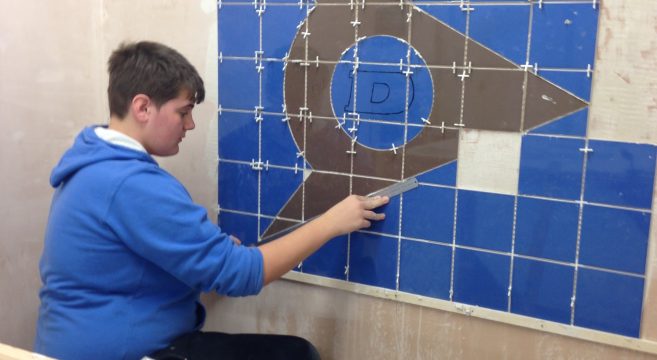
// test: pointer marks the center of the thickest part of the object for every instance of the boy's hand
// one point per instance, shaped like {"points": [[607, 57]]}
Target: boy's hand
{"points": [[353, 213]]}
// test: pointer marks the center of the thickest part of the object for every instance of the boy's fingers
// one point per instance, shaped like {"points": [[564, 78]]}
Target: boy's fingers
{"points": [[375, 202], [236, 240], [371, 215]]}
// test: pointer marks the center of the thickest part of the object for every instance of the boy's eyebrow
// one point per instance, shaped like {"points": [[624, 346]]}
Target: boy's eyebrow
{"points": [[189, 105]]}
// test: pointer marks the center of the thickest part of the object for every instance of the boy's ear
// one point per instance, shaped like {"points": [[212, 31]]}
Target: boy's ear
{"points": [[141, 108]]}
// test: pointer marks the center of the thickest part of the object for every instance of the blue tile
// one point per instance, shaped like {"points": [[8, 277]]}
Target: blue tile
{"points": [[238, 187], [330, 260], [390, 225], [264, 224], [546, 229], [503, 29], [380, 92], [238, 136], [278, 146], [451, 16], [244, 227], [484, 220], [238, 84], [563, 35], [428, 214], [573, 124], [425, 269], [614, 239], [542, 290], [442, 175], [481, 279], [609, 302], [239, 30], [382, 136], [620, 174], [272, 87], [373, 260], [576, 83], [551, 167], [278, 185], [279, 26]]}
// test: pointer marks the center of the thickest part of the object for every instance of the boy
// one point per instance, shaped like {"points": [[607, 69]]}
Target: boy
{"points": [[127, 252]]}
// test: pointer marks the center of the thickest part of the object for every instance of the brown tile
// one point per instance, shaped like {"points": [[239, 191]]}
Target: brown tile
{"points": [[383, 20], [546, 102], [331, 32], [481, 56], [437, 43], [493, 100]]}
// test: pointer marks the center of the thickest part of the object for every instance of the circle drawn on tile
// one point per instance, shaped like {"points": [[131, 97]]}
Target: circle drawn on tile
{"points": [[380, 83]]}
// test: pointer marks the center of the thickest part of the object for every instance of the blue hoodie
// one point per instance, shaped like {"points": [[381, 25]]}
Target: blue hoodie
{"points": [[126, 256]]}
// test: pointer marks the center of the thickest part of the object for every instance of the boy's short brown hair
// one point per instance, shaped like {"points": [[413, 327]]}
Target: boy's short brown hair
{"points": [[152, 69]]}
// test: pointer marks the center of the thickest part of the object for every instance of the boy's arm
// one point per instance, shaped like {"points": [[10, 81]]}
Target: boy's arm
{"points": [[351, 214]]}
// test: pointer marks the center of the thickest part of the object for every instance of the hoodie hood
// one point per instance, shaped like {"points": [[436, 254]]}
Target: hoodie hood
{"points": [[89, 149]]}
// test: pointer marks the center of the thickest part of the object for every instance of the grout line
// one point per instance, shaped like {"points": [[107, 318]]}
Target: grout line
{"points": [[352, 154], [395, 123], [449, 67], [451, 274], [458, 246], [437, 3], [513, 251], [259, 116], [526, 196], [403, 154]]}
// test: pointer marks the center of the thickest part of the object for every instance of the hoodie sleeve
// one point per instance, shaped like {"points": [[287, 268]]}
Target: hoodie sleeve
{"points": [[156, 218]]}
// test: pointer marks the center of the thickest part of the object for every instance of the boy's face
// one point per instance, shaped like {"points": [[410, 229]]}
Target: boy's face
{"points": [[167, 125]]}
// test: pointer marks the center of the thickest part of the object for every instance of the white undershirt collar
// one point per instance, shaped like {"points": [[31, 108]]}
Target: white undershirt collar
{"points": [[118, 138]]}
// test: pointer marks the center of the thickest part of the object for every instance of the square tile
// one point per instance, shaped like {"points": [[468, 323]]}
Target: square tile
{"points": [[609, 302], [329, 261], [277, 186], [503, 29], [238, 84], [451, 16], [238, 187], [563, 35], [546, 229], [551, 167], [614, 239], [279, 26], [542, 290], [272, 87], [484, 220], [428, 214], [442, 175], [389, 225], [620, 174], [572, 124], [278, 145], [481, 279], [493, 98], [238, 136], [239, 30], [373, 260], [244, 227], [576, 83], [380, 136], [425, 269], [489, 161]]}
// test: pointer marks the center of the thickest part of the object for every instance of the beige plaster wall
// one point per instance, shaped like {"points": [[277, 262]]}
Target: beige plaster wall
{"points": [[52, 83]]}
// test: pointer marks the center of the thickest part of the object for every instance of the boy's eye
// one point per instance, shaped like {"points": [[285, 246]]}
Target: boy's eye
{"points": [[183, 114]]}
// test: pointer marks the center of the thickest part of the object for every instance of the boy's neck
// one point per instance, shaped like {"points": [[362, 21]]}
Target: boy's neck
{"points": [[126, 126]]}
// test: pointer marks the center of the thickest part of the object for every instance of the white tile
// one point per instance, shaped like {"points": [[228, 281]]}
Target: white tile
{"points": [[488, 161]]}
